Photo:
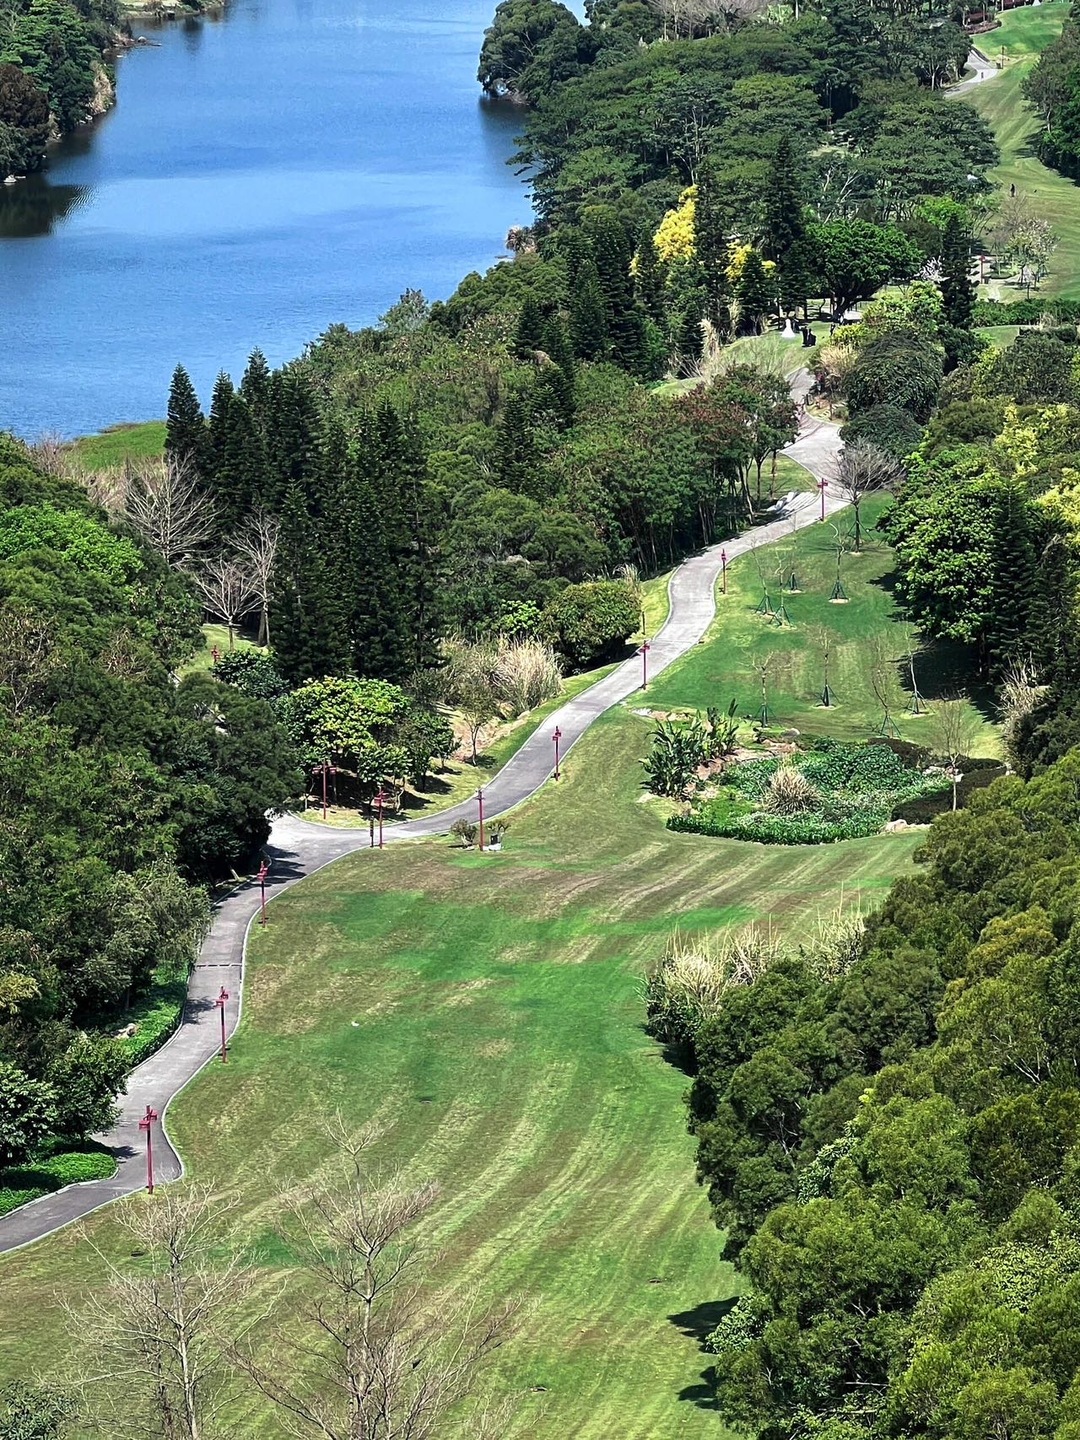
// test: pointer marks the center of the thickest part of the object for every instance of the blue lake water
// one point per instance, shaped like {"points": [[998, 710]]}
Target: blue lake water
{"points": [[289, 165]]}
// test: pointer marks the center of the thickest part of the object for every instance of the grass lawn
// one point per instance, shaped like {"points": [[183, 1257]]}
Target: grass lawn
{"points": [[120, 443], [214, 637], [999, 336], [1001, 103], [721, 667], [487, 1012]]}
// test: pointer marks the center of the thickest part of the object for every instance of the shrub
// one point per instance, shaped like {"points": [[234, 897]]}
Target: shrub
{"points": [[890, 427], [1025, 312], [465, 832], [591, 622], [155, 1020], [253, 673], [691, 981], [19, 1185]]}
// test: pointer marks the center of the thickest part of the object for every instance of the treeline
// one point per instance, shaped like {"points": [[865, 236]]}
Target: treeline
{"points": [[123, 792], [53, 74], [1053, 91], [889, 1127]]}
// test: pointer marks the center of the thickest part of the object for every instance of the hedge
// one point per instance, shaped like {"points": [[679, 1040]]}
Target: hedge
{"points": [[1025, 312], [22, 1183]]}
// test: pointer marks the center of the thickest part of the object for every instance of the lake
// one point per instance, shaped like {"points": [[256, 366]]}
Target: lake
{"points": [[264, 174]]}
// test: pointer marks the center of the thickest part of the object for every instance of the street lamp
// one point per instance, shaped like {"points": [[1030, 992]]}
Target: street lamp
{"points": [[823, 485], [380, 800], [480, 803], [557, 736], [264, 870], [221, 1001], [644, 653], [146, 1125], [327, 769], [723, 572]]}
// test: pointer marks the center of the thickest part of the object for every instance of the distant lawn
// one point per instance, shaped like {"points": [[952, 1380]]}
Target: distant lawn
{"points": [[721, 667], [120, 443], [999, 336], [487, 1012], [1001, 103], [214, 637]]}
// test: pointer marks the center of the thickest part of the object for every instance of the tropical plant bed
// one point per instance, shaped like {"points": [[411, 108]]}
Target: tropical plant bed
{"points": [[833, 790]]}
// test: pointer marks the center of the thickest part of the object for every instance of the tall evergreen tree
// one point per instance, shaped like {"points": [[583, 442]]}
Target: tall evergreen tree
{"points": [[255, 387], [754, 293], [530, 330], [1014, 571], [649, 279], [291, 438], [784, 240], [588, 315], [957, 294], [712, 245], [240, 477], [613, 254], [219, 419], [310, 641], [186, 438]]}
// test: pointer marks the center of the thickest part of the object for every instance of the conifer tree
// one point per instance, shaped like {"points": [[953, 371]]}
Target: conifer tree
{"points": [[1014, 572], [560, 374], [292, 437], [957, 294], [613, 253], [649, 279], [255, 387], [310, 641], [219, 419], [784, 240], [186, 437], [588, 315], [530, 330], [754, 293], [711, 244], [240, 477]]}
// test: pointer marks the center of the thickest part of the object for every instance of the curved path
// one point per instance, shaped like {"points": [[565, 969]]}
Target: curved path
{"points": [[297, 848]]}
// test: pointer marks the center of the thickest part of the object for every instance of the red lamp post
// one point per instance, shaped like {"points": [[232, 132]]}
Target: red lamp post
{"points": [[723, 572], [264, 870], [380, 800], [215, 654], [146, 1125], [823, 485], [480, 803], [327, 769], [644, 653], [557, 736], [221, 1002]]}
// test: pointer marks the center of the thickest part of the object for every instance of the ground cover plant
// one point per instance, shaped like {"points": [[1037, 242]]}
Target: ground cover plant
{"points": [[832, 791], [485, 1011], [51, 1170]]}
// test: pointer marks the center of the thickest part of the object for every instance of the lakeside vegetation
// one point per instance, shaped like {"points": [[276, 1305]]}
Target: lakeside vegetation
{"points": [[426, 529]]}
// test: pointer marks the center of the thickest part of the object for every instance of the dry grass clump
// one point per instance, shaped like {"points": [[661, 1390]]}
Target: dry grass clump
{"points": [[696, 973], [1020, 695], [789, 792], [518, 675]]}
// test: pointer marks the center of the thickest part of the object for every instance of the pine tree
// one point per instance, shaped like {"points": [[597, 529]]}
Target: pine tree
{"points": [[240, 477], [713, 251], [309, 643], [219, 420], [556, 345], [291, 438], [649, 279], [754, 293], [784, 239], [186, 437], [588, 315], [255, 388], [530, 330], [957, 294], [1014, 579], [612, 254]]}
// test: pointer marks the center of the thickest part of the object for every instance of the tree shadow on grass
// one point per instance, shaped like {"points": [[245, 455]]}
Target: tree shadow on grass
{"points": [[698, 1324]]}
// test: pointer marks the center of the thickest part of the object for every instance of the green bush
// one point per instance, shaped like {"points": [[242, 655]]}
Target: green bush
{"points": [[157, 1017], [591, 622], [1025, 312]]}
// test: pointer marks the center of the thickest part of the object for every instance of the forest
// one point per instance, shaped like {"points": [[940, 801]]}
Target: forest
{"points": [[54, 74]]}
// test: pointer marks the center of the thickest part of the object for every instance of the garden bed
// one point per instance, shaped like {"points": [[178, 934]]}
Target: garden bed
{"points": [[54, 1169], [831, 791]]}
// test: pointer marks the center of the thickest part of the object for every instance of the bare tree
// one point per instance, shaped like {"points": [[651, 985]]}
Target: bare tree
{"points": [[163, 1368], [256, 542], [228, 590], [885, 684], [167, 506], [860, 469], [954, 729], [380, 1362], [27, 657]]}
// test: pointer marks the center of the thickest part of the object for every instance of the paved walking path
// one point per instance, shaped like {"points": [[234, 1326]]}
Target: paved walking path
{"points": [[298, 848]]}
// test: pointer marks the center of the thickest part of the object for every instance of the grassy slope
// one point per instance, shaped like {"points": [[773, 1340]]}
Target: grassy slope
{"points": [[721, 668], [486, 1010], [122, 442], [1024, 33]]}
